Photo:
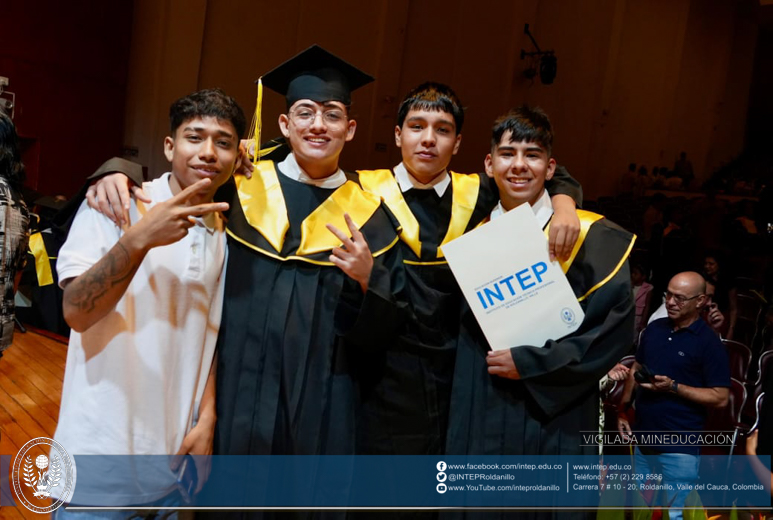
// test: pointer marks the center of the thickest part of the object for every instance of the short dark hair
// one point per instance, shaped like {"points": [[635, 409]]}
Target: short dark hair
{"points": [[210, 102], [435, 97], [530, 124], [11, 165]]}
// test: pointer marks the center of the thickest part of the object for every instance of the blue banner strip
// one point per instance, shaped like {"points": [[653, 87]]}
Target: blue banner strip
{"points": [[408, 481]]}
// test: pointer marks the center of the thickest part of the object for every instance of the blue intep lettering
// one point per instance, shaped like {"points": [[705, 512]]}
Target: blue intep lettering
{"points": [[482, 301], [495, 293], [522, 279], [538, 269], [506, 281]]}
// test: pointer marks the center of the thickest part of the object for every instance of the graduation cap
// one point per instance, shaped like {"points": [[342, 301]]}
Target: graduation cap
{"points": [[318, 75], [314, 74]]}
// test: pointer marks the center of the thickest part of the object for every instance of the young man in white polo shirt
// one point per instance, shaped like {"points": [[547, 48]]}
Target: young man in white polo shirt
{"points": [[144, 303]]}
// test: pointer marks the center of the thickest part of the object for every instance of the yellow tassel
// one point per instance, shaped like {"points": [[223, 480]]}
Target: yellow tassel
{"points": [[255, 127]]}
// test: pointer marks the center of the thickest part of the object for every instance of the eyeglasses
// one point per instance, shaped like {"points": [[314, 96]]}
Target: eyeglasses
{"points": [[678, 298], [306, 116]]}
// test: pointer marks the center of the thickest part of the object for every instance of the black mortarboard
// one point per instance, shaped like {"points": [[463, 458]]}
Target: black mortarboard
{"points": [[318, 75], [313, 74]]}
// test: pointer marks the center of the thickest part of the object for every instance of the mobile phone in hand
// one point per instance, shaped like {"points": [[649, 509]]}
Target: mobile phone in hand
{"points": [[644, 375], [187, 479]]}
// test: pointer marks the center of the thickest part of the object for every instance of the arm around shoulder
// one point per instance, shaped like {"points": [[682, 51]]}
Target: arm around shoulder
{"points": [[112, 186], [563, 183], [130, 169]]}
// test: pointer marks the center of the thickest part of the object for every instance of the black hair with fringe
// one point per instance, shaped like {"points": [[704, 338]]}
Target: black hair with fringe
{"points": [[529, 124], [208, 103], [11, 165], [435, 97]]}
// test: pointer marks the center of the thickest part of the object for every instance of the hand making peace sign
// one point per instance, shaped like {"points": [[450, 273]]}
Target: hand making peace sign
{"points": [[169, 221], [354, 258]]}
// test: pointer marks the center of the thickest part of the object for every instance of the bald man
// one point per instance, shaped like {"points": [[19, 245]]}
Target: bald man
{"points": [[684, 372]]}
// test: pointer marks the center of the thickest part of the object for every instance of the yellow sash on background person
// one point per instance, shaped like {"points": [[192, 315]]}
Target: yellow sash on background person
{"points": [[42, 260]]}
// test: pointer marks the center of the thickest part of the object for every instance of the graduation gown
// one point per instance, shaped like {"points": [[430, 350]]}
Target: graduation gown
{"points": [[557, 396], [406, 389], [291, 318]]}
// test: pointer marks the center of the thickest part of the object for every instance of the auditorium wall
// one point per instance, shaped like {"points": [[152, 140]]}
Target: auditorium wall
{"points": [[638, 80], [67, 66]]}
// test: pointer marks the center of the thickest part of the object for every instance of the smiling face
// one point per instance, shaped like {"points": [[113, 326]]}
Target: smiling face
{"points": [[317, 133], [520, 170], [685, 297], [427, 140], [202, 148]]}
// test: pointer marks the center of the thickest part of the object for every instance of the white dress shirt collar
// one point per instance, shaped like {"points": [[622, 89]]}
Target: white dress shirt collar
{"points": [[290, 168], [406, 181], [543, 209]]}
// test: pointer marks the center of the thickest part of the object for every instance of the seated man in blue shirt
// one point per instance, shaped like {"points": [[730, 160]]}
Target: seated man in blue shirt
{"points": [[688, 373]]}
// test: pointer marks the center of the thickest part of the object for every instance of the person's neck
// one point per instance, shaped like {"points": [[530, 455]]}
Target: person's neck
{"points": [[316, 169], [685, 322], [514, 205], [507, 206], [174, 185], [423, 179]]}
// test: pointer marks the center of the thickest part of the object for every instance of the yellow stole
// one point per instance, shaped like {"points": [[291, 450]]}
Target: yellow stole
{"points": [[587, 218], [265, 209], [465, 195]]}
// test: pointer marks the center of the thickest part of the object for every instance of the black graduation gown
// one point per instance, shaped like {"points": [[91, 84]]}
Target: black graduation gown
{"points": [[284, 381], [406, 390], [558, 394]]}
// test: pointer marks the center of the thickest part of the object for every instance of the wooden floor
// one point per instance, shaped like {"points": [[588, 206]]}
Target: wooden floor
{"points": [[31, 374]]}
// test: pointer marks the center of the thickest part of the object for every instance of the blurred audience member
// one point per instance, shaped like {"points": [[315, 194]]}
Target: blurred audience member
{"points": [[652, 221], [683, 170], [716, 271], [14, 225], [628, 179], [642, 182], [706, 215], [745, 220], [642, 296], [673, 181]]}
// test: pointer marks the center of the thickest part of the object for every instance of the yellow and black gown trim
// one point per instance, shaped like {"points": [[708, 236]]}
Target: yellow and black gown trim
{"points": [[557, 395], [465, 190], [596, 266], [261, 220]]}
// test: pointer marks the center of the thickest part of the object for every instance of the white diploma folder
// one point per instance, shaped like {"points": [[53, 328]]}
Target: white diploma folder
{"points": [[518, 296]]}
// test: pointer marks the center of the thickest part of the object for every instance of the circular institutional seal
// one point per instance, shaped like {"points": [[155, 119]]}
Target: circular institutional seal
{"points": [[567, 315], [43, 467]]}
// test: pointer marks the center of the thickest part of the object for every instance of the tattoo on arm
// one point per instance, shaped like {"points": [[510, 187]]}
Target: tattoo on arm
{"points": [[114, 268]]}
